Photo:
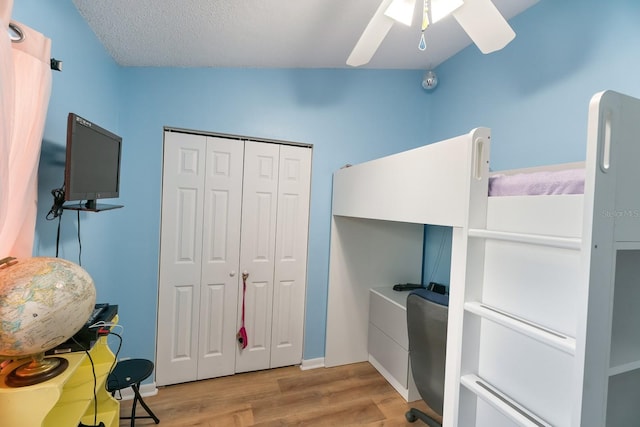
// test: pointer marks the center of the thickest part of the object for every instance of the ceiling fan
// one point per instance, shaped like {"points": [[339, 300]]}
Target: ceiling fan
{"points": [[480, 19]]}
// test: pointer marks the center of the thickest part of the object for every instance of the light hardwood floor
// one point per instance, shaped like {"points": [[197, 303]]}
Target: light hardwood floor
{"points": [[353, 394]]}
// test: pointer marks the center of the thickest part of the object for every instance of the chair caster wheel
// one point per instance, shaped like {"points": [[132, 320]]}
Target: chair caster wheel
{"points": [[410, 416]]}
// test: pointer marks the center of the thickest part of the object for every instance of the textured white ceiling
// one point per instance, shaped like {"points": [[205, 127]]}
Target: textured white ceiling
{"points": [[264, 33]]}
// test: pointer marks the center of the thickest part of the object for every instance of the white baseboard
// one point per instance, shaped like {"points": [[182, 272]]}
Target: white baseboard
{"points": [[145, 390], [312, 363]]}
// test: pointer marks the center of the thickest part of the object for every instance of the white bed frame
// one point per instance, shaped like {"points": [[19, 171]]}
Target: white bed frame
{"points": [[544, 314]]}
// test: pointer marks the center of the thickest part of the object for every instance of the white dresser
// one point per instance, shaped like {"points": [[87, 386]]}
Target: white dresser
{"points": [[388, 341]]}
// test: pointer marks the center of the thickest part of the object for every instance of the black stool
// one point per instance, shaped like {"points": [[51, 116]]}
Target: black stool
{"points": [[130, 373]]}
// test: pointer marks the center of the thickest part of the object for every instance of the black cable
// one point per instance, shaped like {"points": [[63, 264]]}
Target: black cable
{"points": [[95, 386], [58, 200], [79, 242], [113, 365], [439, 255], [117, 351], [56, 212], [95, 377], [58, 235], [95, 381]]}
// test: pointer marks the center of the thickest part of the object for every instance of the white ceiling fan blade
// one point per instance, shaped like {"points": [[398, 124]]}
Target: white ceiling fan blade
{"points": [[371, 37], [484, 23], [401, 11]]}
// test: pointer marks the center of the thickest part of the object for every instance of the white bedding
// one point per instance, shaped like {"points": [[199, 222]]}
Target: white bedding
{"points": [[569, 181]]}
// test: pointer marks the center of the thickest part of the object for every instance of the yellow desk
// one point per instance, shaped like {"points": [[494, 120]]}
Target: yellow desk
{"points": [[65, 400]]}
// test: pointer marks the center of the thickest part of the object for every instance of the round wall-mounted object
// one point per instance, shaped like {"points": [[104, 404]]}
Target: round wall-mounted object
{"points": [[429, 80]]}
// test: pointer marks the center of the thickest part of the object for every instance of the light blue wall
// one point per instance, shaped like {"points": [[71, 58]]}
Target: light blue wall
{"points": [[437, 258], [348, 115], [534, 93]]}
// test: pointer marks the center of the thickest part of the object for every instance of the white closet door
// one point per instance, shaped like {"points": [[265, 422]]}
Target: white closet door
{"points": [[259, 207], [292, 231], [220, 257], [230, 206], [180, 255]]}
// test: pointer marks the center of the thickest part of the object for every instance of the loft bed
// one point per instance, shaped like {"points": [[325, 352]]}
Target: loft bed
{"points": [[543, 325]]}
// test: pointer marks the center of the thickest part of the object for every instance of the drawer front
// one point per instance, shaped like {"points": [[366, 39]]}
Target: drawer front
{"points": [[389, 354], [390, 318]]}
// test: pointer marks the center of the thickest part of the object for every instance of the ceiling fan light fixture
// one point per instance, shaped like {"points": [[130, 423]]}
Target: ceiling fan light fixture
{"points": [[401, 11], [442, 8]]}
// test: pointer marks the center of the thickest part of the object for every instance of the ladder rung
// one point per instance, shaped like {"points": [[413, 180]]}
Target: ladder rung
{"points": [[502, 402], [533, 330], [534, 239]]}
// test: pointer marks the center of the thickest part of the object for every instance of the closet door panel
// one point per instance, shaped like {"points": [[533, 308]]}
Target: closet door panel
{"points": [[220, 257], [257, 319], [182, 327], [291, 256], [180, 258], [212, 334], [257, 242]]}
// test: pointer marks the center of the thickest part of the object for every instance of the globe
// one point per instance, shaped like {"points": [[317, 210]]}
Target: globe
{"points": [[43, 303]]}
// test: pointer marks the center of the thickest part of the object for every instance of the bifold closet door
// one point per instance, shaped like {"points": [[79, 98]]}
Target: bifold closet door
{"points": [[275, 217], [220, 257], [199, 253], [259, 208], [230, 206], [290, 274]]}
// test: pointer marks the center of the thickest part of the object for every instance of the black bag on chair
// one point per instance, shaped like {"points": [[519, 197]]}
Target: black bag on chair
{"points": [[427, 313]]}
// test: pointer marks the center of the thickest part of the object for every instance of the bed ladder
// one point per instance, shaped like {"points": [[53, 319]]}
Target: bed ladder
{"points": [[517, 353]]}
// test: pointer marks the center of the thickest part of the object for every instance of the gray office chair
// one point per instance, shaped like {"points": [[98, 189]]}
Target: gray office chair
{"points": [[427, 327]]}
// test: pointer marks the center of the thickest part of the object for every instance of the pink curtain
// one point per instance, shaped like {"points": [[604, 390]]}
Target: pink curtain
{"points": [[25, 88], [6, 118]]}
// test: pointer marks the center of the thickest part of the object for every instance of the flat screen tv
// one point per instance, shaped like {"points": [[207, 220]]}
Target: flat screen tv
{"points": [[92, 168]]}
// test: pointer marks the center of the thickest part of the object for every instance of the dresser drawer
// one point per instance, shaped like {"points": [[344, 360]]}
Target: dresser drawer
{"points": [[389, 314], [389, 354]]}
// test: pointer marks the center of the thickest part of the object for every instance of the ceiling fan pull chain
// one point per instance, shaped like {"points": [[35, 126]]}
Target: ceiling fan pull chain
{"points": [[426, 10], [423, 43]]}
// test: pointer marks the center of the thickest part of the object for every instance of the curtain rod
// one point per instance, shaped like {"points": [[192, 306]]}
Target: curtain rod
{"points": [[56, 64], [16, 35]]}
